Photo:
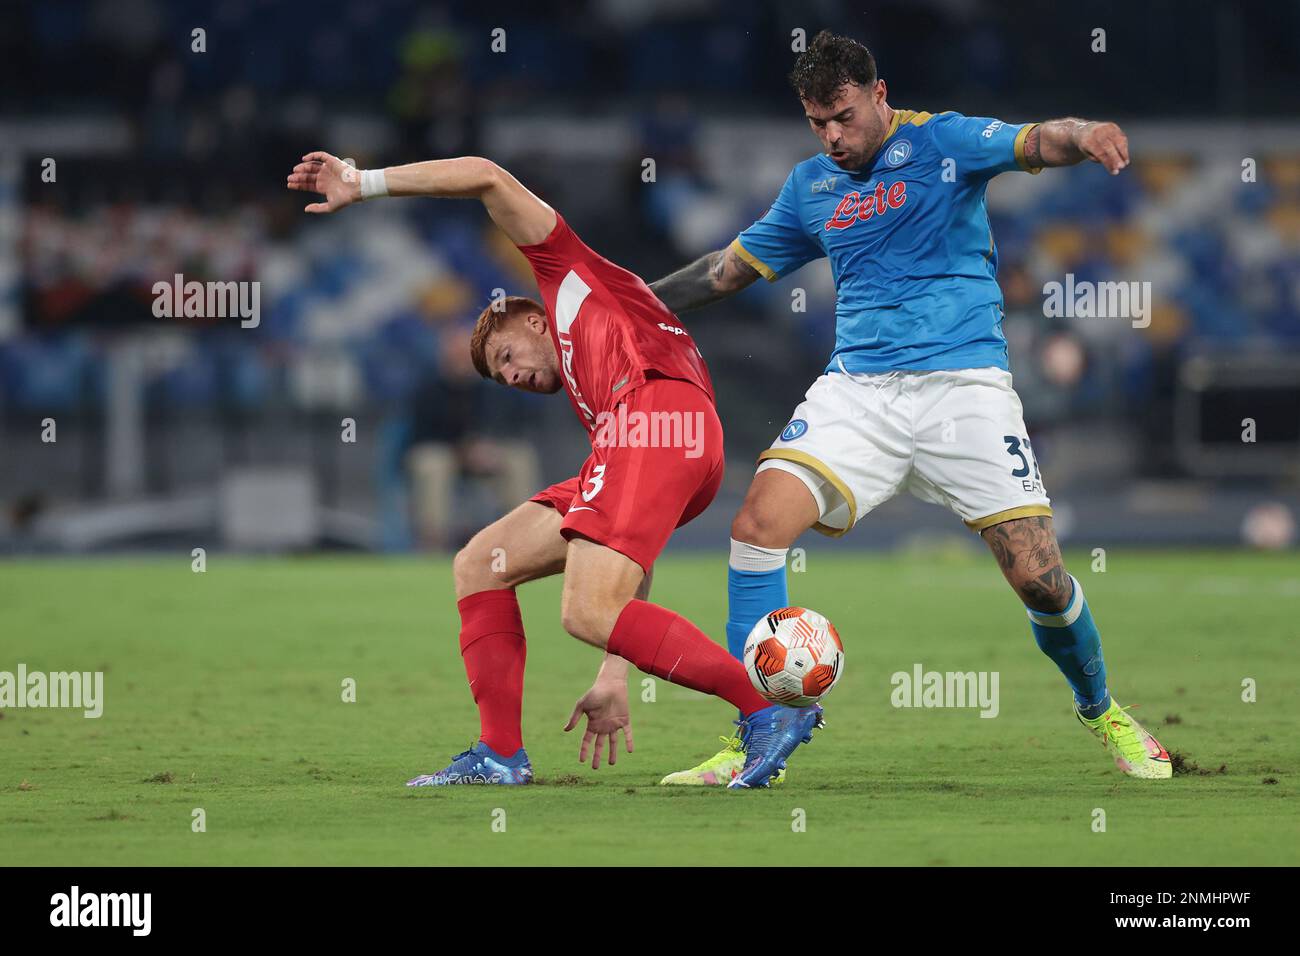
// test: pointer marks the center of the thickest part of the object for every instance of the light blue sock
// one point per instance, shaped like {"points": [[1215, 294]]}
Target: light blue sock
{"points": [[1071, 639], [755, 586], [750, 596]]}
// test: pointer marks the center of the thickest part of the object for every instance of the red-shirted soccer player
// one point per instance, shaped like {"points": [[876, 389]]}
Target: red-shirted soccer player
{"points": [[633, 375]]}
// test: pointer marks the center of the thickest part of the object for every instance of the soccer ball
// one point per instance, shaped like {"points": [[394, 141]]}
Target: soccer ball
{"points": [[794, 656]]}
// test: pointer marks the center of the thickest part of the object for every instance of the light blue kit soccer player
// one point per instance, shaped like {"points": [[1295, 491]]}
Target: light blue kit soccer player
{"points": [[917, 395]]}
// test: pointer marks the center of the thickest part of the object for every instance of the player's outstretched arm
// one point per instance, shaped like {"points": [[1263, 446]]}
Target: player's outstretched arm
{"points": [[1065, 142], [524, 218], [708, 279]]}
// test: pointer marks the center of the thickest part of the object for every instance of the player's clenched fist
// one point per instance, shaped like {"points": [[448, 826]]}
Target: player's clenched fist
{"points": [[1104, 143], [328, 175]]}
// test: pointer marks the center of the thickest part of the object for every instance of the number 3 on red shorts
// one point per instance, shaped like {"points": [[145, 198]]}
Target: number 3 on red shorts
{"points": [[597, 481]]}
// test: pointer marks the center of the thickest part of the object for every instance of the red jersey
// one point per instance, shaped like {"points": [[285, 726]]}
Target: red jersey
{"points": [[609, 329]]}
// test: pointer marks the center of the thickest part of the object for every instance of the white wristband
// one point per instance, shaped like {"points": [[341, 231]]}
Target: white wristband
{"points": [[373, 183]]}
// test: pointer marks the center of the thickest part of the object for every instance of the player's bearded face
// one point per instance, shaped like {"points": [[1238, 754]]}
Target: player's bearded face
{"points": [[523, 357], [851, 128]]}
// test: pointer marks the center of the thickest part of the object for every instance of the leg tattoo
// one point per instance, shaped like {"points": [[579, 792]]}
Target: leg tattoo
{"points": [[1030, 559]]}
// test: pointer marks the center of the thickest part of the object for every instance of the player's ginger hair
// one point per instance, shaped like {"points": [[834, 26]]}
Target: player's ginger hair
{"points": [[491, 320]]}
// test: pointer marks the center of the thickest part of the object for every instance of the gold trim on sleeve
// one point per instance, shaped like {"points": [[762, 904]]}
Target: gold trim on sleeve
{"points": [[759, 265], [1019, 149]]}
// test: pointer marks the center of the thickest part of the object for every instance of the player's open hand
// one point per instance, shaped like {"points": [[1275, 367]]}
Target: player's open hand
{"points": [[328, 175], [607, 713], [1104, 143]]}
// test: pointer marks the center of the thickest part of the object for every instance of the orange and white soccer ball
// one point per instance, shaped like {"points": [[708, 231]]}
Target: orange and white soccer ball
{"points": [[794, 656]]}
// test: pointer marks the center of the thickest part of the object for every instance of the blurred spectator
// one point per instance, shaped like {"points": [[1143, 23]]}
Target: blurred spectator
{"points": [[448, 442]]}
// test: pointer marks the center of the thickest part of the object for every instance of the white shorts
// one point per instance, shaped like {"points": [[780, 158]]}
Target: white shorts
{"points": [[955, 438]]}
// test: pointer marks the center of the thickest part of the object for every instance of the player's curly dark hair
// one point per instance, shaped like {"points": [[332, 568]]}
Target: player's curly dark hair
{"points": [[829, 62]]}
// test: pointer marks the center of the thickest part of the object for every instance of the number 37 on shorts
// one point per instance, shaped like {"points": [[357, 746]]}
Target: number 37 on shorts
{"points": [[1020, 449]]}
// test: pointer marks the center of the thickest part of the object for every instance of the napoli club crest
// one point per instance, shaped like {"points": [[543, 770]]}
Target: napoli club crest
{"points": [[898, 153], [796, 429]]}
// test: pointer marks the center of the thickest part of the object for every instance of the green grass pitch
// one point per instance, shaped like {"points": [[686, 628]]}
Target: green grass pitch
{"points": [[223, 692]]}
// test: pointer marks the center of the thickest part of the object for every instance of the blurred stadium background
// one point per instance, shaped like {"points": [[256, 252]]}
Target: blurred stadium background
{"points": [[176, 433]]}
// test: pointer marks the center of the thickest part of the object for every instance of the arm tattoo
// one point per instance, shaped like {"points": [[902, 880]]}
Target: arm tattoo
{"points": [[1027, 552], [1052, 143], [707, 279]]}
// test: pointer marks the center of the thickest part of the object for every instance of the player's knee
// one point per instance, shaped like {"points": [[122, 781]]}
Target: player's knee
{"points": [[473, 571], [585, 617], [463, 572], [752, 527], [578, 622]]}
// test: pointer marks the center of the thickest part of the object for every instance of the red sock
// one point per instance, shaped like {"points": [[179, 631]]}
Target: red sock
{"points": [[663, 643], [492, 644]]}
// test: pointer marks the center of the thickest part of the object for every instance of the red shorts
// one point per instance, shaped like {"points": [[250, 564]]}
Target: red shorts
{"points": [[656, 463]]}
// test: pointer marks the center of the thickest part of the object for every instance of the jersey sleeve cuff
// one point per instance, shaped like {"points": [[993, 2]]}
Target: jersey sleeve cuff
{"points": [[758, 264], [1020, 150]]}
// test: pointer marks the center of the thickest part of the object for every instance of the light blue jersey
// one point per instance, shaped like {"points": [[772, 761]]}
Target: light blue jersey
{"points": [[908, 240]]}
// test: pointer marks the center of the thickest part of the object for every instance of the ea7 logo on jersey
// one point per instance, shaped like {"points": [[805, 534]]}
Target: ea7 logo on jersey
{"points": [[856, 207], [992, 128], [825, 185]]}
